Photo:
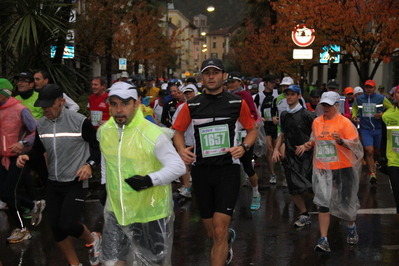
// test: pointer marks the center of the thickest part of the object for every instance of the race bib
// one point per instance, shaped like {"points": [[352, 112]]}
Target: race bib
{"points": [[369, 109], [326, 151], [267, 114], [215, 140], [395, 141], [96, 117]]}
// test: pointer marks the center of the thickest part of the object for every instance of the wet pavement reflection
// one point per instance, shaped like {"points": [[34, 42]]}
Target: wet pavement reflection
{"points": [[264, 237]]}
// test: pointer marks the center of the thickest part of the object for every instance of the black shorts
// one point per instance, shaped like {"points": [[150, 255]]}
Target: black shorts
{"points": [[270, 129], [216, 188]]}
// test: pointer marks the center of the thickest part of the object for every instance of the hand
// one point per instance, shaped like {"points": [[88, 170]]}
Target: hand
{"points": [[187, 156], [276, 156], [21, 160], [236, 151], [139, 182], [336, 136], [275, 120], [300, 150], [378, 115], [355, 119], [17, 148], [84, 172]]}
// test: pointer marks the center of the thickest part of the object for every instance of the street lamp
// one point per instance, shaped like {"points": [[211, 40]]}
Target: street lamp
{"points": [[210, 8]]}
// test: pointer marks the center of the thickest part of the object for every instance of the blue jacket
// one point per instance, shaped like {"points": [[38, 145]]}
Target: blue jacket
{"points": [[366, 106]]}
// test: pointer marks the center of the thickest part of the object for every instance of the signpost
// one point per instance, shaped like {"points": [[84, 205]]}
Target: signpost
{"points": [[122, 64], [327, 58], [303, 37]]}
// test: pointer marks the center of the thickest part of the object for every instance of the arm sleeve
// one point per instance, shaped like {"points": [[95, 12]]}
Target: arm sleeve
{"points": [[387, 104], [172, 164], [30, 123], [89, 135], [183, 120], [245, 116], [70, 104], [383, 145], [37, 149], [103, 170], [252, 107]]}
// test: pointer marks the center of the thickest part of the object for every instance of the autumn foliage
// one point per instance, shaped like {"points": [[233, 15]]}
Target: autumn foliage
{"points": [[367, 31]]}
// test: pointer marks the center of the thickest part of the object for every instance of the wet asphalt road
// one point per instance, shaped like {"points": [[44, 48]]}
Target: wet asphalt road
{"points": [[264, 237]]}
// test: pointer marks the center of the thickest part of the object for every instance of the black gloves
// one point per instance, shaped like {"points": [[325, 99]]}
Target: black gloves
{"points": [[139, 182]]}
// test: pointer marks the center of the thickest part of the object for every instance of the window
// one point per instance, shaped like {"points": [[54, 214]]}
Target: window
{"points": [[214, 45], [214, 55]]}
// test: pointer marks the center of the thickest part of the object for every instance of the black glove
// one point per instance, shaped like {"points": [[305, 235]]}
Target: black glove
{"points": [[383, 165], [139, 182]]}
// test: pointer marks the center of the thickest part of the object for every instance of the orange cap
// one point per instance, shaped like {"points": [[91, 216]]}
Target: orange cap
{"points": [[370, 82], [349, 90]]}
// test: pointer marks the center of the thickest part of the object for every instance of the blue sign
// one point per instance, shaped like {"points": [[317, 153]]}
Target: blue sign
{"points": [[69, 51], [122, 64], [326, 57]]}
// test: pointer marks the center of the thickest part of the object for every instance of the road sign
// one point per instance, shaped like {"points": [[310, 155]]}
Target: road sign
{"points": [[303, 36], [303, 53], [328, 56], [69, 51], [122, 64]]}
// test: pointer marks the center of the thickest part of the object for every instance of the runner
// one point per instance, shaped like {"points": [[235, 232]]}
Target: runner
{"points": [[296, 127], [69, 141], [215, 158], [336, 168]]}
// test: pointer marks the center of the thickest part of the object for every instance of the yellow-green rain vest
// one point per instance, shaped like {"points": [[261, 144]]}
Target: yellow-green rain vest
{"points": [[129, 151]]}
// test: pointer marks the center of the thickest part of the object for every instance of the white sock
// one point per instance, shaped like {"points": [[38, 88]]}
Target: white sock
{"points": [[255, 191]]}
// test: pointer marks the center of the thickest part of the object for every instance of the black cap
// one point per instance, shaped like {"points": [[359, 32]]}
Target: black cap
{"points": [[235, 75], [48, 94], [333, 83], [25, 75], [269, 78], [192, 80], [315, 93], [149, 78], [212, 62]]}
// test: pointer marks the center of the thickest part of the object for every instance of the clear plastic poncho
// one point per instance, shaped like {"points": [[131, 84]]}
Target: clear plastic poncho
{"points": [[336, 168], [137, 244]]}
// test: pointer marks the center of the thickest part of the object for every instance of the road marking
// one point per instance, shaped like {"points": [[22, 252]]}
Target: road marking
{"points": [[391, 247], [373, 211]]}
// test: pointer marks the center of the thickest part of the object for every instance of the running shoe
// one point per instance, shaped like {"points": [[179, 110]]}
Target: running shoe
{"points": [[3, 205], [352, 237], [80, 264], [303, 220], [373, 179], [19, 235], [255, 205], [231, 237], [322, 245], [94, 249], [37, 212], [273, 179], [185, 192]]}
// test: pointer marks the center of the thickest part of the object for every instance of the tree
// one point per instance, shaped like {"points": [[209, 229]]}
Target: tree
{"points": [[29, 29], [124, 29]]}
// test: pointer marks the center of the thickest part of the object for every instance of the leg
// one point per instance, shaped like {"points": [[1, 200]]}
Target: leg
{"points": [[299, 202], [269, 154], [68, 250], [220, 225], [369, 150], [324, 223]]}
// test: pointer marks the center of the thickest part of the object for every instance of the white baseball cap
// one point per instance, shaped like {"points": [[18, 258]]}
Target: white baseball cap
{"points": [[287, 81]]}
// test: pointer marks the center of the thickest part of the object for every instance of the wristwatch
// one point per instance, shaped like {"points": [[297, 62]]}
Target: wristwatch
{"points": [[246, 147], [91, 163], [341, 141], [24, 143]]}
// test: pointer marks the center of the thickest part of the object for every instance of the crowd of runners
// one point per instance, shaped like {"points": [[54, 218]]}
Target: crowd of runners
{"points": [[143, 134]]}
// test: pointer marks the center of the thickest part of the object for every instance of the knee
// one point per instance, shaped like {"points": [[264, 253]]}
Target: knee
{"points": [[369, 151], [220, 234]]}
